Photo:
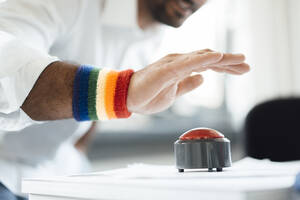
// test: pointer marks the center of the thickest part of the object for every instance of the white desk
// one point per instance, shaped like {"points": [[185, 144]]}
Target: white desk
{"points": [[247, 179]]}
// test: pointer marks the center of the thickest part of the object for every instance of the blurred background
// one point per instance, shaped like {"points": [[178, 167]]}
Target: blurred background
{"points": [[265, 31]]}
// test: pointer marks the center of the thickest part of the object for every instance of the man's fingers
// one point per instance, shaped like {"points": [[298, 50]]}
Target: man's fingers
{"points": [[188, 63], [188, 84], [202, 51], [232, 59], [217, 69], [175, 67], [238, 69], [203, 59], [241, 68], [233, 62], [222, 70]]}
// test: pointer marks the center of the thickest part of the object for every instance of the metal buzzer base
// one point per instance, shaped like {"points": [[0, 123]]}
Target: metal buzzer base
{"points": [[204, 153]]}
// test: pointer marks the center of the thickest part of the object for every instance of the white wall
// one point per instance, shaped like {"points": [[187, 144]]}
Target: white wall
{"points": [[267, 31]]}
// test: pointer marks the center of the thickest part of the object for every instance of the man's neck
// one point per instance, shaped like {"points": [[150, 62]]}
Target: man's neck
{"points": [[145, 19]]}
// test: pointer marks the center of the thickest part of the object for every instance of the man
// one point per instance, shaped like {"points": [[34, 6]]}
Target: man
{"points": [[37, 84]]}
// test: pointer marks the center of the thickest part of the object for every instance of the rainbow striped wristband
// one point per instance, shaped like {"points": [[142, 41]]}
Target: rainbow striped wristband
{"points": [[100, 94]]}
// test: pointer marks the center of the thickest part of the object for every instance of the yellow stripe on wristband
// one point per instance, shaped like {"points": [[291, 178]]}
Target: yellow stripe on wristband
{"points": [[100, 102]]}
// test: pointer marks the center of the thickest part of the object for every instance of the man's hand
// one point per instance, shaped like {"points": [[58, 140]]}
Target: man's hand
{"points": [[155, 88], [151, 89]]}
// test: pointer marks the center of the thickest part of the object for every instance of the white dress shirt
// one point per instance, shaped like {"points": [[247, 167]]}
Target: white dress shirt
{"points": [[35, 33]]}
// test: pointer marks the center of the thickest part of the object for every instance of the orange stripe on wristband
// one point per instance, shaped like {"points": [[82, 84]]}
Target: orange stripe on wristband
{"points": [[110, 88]]}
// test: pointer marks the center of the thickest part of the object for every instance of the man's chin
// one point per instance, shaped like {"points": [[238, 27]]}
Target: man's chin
{"points": [[173, 23]]}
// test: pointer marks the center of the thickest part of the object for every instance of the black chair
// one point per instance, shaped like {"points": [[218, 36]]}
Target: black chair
{"points": [[272, 130]]}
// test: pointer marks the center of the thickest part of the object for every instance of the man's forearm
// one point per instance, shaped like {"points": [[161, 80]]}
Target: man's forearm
{"points": [[82, 92], [51, 96]]}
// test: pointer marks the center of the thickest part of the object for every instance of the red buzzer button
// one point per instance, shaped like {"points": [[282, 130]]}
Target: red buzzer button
{"points": [[201, 133]]}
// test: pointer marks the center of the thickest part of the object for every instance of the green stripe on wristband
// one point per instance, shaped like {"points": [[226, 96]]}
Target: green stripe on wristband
{"points": [[92, 94]]}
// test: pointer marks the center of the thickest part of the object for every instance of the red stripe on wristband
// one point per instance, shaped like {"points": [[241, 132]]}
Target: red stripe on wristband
{"points": [[121, 92]]}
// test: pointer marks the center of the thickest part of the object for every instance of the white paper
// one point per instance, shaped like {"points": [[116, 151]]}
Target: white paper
{"points": [[248, 179], [247, 174], [247, 167]]}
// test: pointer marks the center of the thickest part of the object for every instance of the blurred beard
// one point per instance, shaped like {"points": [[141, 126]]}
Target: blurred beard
{"points": [[166, 14]]}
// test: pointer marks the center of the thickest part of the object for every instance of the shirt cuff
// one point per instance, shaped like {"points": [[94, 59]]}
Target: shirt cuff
{"points": [[16, 121], [16, 87]]}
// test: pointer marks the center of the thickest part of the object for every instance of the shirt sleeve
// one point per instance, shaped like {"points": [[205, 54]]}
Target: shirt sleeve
{"points": [[28, 29]]}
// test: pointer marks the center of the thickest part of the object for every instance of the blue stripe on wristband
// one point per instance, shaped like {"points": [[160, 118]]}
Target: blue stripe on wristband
{"points": [[80, 93], [83, 92]]}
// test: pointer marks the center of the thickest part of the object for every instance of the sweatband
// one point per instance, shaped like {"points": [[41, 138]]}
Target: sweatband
{"points": [[100, 94]]}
